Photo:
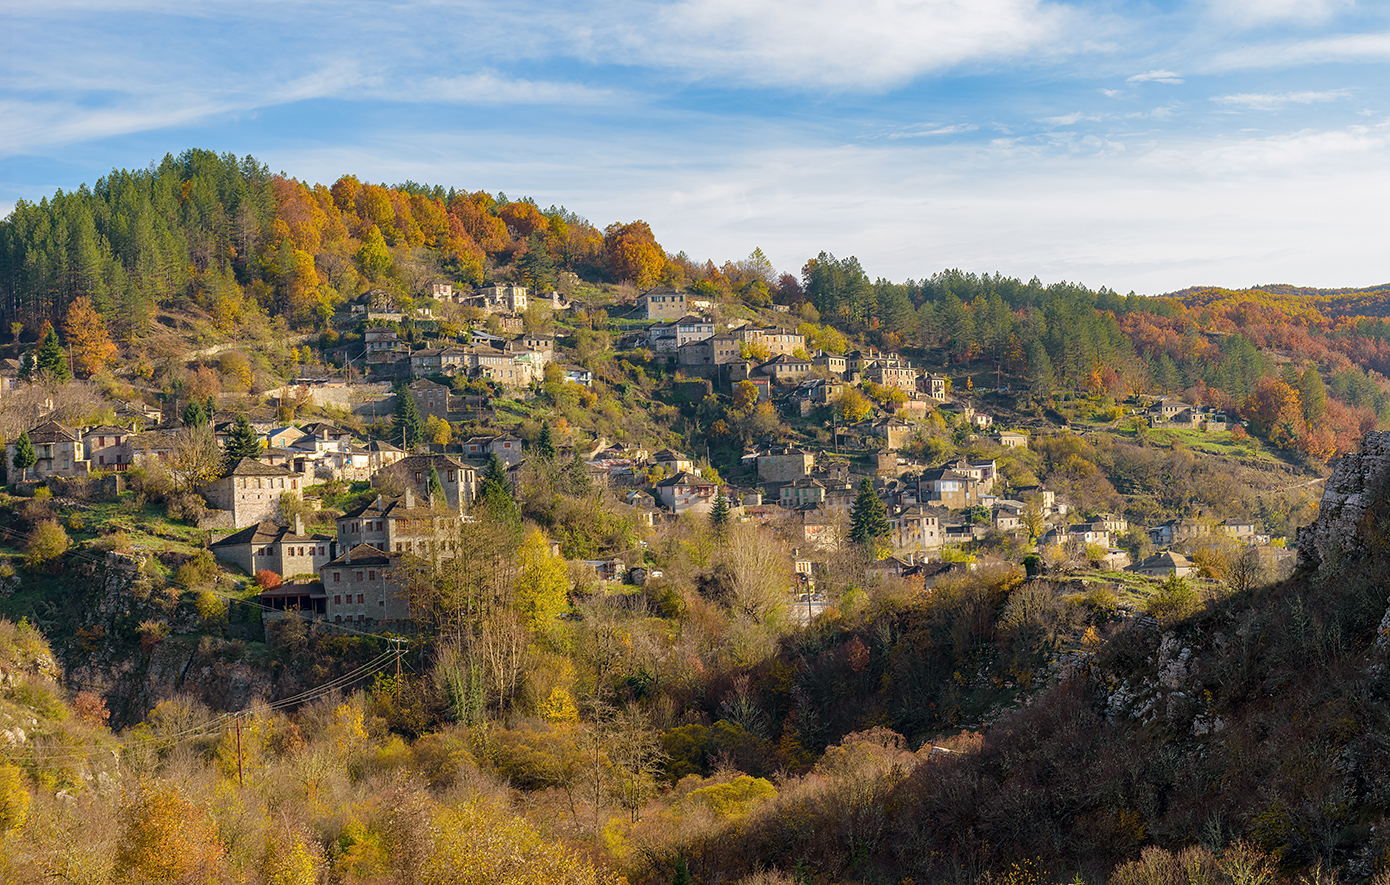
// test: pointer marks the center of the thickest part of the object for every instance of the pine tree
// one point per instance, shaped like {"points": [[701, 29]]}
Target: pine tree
{"points": [[868, 519], [435, 485], [719, 516], [194, 414], [242, 442], [50, 358], [24, 455], [545, 446], [407, 426]]}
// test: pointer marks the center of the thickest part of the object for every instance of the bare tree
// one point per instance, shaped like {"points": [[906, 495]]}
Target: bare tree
{"points": [[194, 458]]}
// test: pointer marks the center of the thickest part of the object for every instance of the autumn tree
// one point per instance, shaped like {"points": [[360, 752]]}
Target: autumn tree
{"points": [[166, 838], [853, 406], [87, 338], [542, 586], [1274, 412], [633, 254]]}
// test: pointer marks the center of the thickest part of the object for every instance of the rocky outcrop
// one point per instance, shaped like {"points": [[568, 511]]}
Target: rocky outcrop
{"points": [[1355, 485]]}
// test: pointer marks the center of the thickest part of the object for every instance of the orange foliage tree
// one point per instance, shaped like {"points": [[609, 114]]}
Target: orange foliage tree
{"points": [[1275, 412], [86, 335], [633, 254]]}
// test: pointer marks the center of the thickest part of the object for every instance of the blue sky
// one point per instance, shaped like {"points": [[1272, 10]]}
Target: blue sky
{"points": [[1140, 146]]}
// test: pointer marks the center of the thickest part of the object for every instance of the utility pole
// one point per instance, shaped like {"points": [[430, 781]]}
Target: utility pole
{"points": [[240, 782]]}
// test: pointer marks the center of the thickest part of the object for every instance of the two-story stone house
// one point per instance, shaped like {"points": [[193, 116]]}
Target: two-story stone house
{"points": [[289, 551], [364, 586], [251, 491], [59, 450]]}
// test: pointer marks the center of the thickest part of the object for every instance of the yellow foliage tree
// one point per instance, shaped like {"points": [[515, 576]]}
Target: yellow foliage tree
{"points": [[166, 838], [478, 844], [542, 588]]}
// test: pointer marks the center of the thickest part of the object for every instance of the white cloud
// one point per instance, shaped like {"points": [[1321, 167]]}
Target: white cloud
{"points": [[1345, 48], [822, 43], [1072, 119], [1156, 77], [1111, 93], [1265, 101], [1258, 12]]}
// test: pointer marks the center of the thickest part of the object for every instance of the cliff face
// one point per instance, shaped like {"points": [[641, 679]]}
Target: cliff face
{"points": [[1357, 483], [133, 676]]}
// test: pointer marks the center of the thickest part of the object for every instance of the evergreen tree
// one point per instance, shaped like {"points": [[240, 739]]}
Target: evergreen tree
{"points": [[194, 414], [242, 442], [26, 366], [719, 516], [868, 519], [407, 427], [436, 486], [50, 358], [24, 455], [545, 446], [495, 494]]}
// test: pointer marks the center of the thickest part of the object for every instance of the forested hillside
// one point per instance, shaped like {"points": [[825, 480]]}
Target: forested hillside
{"points": [[242, 247], [588, 684]]}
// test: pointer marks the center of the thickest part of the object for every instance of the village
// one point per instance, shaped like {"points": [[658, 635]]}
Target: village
{"points": [[942, 519]]}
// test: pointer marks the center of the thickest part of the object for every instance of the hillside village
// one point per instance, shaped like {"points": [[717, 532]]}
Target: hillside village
{"points": [[444, 431]]}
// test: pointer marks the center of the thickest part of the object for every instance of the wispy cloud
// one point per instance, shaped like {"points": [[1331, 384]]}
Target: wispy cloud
{"points": [[1156, 77], [1111, 93], [1340, 49], [928, 130], [490, 87], [815, 44], [1261, 12], [1267, 101]]}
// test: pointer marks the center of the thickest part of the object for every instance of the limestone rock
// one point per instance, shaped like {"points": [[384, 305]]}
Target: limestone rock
{"points": [[1354, 485]]}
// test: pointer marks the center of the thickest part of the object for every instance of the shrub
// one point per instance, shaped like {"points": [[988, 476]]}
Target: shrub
{"points": [[1174, 600], [46, 543], [267, 579]]}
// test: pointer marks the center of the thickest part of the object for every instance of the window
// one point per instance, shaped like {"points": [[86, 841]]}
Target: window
{"points": [[338, 619], [338, 600], [337, 576], [359, 576], [371, 575], [359, 598]]}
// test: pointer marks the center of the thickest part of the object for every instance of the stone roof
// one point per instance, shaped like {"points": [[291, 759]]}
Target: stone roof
{"points": [[51, 432], [253, 467], [683, 479], [362, 554], [265, 532]]}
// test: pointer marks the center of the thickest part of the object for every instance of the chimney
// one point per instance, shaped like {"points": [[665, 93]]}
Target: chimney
{"points": [[409, 497], [298, 524]]}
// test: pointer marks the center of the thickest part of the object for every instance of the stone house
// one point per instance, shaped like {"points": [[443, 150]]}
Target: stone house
{"points": [[802, 492], [1012, 439], [672, 462], [661, 304], [105, 448], [288, 551], [364, 585], [936, 386], [785, 463], [786, 368], [716, 350], [504, 297], [685, 491], [430, 398], [834, 363], [459, 480], [59, 450], [251, 491], [680, 332], [1161, 565]]}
